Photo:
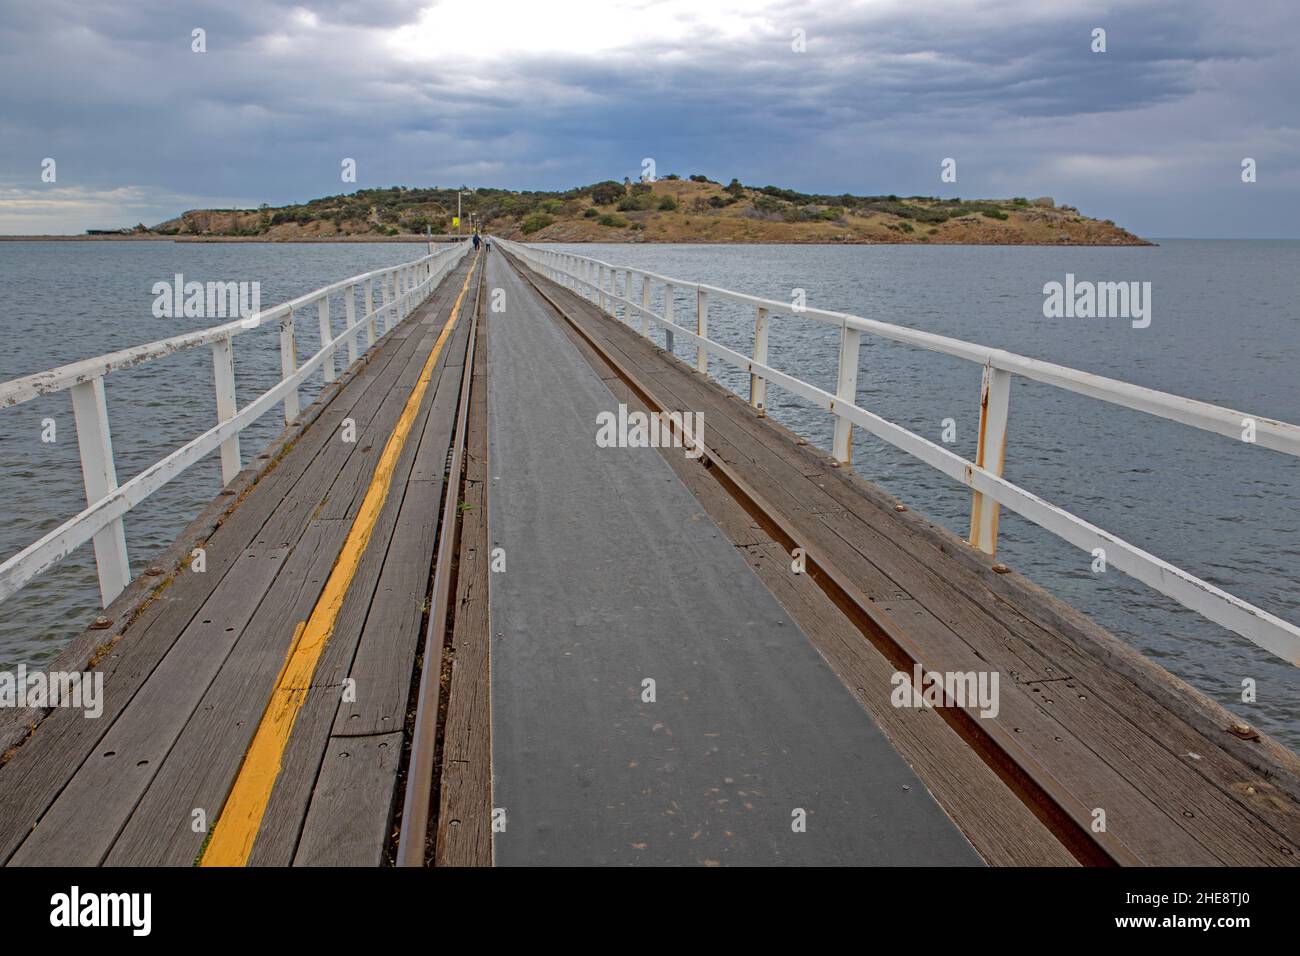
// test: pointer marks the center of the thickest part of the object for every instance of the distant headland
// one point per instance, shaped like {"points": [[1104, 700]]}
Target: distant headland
{"points": [[671, 209]]}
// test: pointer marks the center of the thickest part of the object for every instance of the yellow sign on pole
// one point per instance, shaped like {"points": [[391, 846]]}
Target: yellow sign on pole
{"points": [[455, 221]]}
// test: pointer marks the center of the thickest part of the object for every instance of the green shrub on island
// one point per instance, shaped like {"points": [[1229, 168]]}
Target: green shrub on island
{"points": [[535, 222]]}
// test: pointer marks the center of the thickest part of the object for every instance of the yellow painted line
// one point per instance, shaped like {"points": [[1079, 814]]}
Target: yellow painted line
{"points": [[241, 817]]}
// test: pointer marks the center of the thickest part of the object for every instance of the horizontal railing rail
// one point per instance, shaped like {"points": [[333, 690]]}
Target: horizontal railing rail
{"points": [[599, 281], [402, 288]]}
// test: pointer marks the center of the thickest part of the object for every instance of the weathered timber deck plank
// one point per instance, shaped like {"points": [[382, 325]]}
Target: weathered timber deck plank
{"points": [[211, 748], [82, 823], [39, 770], [356, 771], [373, 643]]}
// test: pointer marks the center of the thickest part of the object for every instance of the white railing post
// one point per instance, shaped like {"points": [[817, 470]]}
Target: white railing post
{"points": [[350, 318], [223, 376], [99, 474], [326, 337], [371, 332], [288, 365], [602, 279], [670, 296], [645, 305], [846, 392], [702, 330], [388, 300], [758, 384], [990, 454]]}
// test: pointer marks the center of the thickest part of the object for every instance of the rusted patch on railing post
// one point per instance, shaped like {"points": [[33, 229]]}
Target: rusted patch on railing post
{"points": [[995, 400]]}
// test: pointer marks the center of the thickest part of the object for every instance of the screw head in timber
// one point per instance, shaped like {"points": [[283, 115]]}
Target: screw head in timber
{"points": [[1001, 568], [101, 623]]}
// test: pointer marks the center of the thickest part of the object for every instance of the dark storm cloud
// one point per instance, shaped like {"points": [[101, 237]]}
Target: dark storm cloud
{"points": [[884, 91]]}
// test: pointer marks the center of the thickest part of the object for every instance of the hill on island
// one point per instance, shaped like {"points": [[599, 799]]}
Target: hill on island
{"points": [[696, 209]]}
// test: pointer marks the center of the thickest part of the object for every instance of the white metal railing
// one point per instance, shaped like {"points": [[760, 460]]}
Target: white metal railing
{"points": [[598, 281], [402, 288]]}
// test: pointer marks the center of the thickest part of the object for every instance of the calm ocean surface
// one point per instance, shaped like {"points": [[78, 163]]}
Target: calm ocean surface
{"points": [[1225, 328]]}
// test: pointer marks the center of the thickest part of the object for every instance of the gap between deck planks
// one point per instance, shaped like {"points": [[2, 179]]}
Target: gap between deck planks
{"points": [[1107, 732]]}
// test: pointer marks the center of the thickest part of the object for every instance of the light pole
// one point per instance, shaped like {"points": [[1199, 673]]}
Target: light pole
{"points": [[459, 193]]}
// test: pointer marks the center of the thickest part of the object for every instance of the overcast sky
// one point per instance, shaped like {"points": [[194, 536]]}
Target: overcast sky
{"points": [[545, 94]]}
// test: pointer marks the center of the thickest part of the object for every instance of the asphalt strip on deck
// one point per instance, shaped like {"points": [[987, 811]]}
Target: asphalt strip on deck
{"points": [[751, 751]]}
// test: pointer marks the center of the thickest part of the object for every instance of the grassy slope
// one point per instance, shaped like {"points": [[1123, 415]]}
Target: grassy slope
{"points": [[665, 211]]}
